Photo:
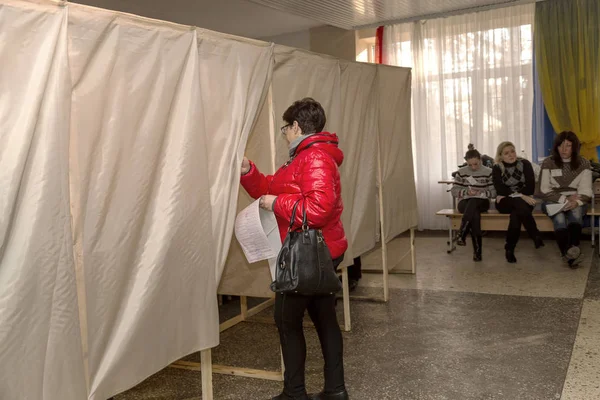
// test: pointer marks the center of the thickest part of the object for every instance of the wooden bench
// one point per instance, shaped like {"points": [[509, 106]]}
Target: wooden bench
{"points": [[594, 213], [490, 221]]}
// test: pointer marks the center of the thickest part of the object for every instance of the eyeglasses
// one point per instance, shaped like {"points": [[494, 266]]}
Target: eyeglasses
{"points": [[283, 128]]}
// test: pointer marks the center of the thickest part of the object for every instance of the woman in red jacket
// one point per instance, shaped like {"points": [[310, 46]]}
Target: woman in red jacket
{"points": [[310, 175]]}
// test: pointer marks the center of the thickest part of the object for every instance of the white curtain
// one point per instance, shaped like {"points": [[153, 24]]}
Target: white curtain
{"points": [[397, 176], [240, 278], [40, 347], [358, 141], [235, 75], [472, 83], [121, 144], [140, 196]]}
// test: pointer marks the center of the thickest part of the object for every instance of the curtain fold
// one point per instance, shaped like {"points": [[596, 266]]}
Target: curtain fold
{"points": [[122, 140], [40, 346], [358, 141], [472, 83], [140, 192], [400, 210], [567, 43]]}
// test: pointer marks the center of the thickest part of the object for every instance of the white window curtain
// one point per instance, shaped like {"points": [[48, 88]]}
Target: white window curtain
{"points": [[472, 83]]}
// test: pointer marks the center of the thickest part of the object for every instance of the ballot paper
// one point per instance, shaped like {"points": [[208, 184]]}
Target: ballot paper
{"points": [[256, 231], [554, 208], [471, 181]]}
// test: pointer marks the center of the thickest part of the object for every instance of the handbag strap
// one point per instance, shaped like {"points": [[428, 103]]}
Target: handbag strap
{"points": [[304, 218], [293, 215]]}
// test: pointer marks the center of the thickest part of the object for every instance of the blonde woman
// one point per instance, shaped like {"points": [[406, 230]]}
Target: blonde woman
{"points": [[514, 181]]}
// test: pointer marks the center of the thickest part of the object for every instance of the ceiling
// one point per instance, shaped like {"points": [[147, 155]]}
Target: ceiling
{"points": [[354, 14], [263, 19], [236, 17]]}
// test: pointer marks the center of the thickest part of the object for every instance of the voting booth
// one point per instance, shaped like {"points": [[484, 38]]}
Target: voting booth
{"points": [[120, 161]]}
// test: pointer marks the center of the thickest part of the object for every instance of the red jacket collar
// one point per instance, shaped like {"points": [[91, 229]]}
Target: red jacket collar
{"points": [[325, 141]]}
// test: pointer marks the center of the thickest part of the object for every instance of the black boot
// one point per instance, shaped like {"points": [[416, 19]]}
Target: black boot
{"points": [[538, 242], [341, 395], [476, 247], [562, 239], [574, 234], [461, 235], [509, 252], [284, 396]]}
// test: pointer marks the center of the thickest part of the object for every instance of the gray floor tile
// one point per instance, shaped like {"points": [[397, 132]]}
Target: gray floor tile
{"points": [[537, 273], [583, 377], [592, 290], [422, 345]]}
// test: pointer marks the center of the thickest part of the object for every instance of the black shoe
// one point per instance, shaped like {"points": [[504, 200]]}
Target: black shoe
{"points": [[461, 235], [284, 396], [538, 242], [573, 257], [352, 284], [477, 243], [510, 256], [342, 395]]}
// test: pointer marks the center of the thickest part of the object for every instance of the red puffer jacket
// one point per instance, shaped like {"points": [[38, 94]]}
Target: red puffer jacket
{"points": [[312, 176]]}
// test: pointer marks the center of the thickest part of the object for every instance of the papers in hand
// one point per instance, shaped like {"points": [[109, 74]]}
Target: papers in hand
{"points": [[471, 181], [555, 208], [256, 230]]}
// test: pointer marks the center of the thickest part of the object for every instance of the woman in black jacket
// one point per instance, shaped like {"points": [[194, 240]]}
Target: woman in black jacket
{"points": [[514, 181]]}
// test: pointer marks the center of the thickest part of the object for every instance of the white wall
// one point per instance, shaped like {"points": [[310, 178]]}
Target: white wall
{"points": [[300, 40], [236, 17], [336, 42]]}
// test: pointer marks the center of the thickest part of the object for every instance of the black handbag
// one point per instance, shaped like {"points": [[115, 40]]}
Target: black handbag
{"points": [[304, 264]]}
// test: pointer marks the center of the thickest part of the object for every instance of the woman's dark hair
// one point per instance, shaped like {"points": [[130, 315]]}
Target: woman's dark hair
{"points": [[309, 114], [472, 153], [576, 145]]}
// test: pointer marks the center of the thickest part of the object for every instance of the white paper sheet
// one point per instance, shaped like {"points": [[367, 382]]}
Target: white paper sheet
{"points": [[553, 209], [254, 228], [471, 180]]}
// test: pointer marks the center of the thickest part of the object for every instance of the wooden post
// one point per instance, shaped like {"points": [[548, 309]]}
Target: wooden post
{"points": [[413, 253], [244, 307], [206, 372], [346, 298], [272, 127], [386, 290]]}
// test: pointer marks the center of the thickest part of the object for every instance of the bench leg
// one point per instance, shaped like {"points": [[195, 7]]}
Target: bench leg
{"points": [[451, 244]]}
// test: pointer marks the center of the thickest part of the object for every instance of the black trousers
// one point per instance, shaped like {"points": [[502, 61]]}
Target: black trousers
{"points": [[289, 314], [520, 213], [471, 210], [355, 270]]}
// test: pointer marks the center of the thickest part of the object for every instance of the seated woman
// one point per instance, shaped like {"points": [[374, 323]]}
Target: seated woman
{"points": [[514, 181], [566, 187], [473, 189]]}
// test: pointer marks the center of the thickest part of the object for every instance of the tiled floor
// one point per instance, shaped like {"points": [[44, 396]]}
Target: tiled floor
{"points": [[457, 330]]}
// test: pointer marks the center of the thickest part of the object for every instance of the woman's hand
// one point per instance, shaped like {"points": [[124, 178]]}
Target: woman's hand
{"points": [[266, 202], [499, 198], [473, 192], [529, 200], [245, 166], [574, 197]]}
